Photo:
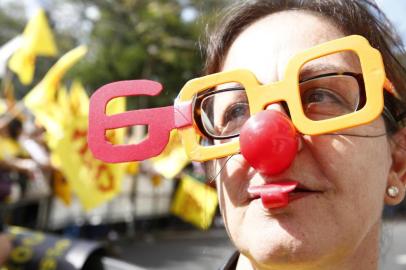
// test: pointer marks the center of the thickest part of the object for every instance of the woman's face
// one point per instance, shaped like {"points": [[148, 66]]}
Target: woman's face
{"points": [[349, 173]]}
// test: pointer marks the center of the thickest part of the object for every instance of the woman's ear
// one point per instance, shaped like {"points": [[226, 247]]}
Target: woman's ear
{"points": [[396, 185]]}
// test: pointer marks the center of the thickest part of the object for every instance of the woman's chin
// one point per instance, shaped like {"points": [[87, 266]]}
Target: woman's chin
{"points": [[280, 253], [279, 236], [283, 250]]}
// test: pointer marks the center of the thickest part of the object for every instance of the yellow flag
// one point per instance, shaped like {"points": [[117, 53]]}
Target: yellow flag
{"points": [[195, 202], [61, 188], [37, 41], [156, 180], [173, 159], [93, 181], [43, 102], [45, 92], [79, 100], [133, 168], [9, 148], [114, 106]]}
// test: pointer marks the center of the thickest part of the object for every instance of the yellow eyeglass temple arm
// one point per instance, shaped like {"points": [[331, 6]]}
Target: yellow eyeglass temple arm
{"points": [[388, 85]]}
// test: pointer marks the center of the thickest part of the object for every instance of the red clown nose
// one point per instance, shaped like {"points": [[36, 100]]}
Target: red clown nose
{"points": [[269, 142]]}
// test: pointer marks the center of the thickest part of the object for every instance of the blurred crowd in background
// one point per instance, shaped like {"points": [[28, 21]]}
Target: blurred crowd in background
{"points": [[49, 179], [54, 54]]}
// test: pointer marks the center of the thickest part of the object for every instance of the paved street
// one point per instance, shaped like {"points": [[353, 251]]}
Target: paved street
{"points": [[207, 250], [394, 246], [185, 250]]}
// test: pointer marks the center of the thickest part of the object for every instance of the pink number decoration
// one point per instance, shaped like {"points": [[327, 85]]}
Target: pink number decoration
{"points": [[160, 122]]}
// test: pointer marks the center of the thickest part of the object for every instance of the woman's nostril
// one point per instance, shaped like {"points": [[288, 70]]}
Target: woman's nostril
{"points": [[275, 106], [280, 107]]}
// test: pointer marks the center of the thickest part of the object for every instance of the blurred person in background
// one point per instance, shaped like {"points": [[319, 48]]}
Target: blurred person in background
{"points": [[5, 248], [8, 148], [13, 162]]}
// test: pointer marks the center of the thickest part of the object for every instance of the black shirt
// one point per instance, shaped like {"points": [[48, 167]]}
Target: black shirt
{"points": [[231, 263]]}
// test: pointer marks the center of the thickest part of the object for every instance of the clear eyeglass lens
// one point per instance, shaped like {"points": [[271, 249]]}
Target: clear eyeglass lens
{"points": [[224, 112], [331, 96]]}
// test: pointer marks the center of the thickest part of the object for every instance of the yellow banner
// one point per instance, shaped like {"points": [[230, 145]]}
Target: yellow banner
{"points": [[195, 202], [173, 159]]}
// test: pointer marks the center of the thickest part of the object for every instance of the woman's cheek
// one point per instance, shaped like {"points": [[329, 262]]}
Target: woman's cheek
{"points": [[232, 181], [233, 175], [357, 179]]}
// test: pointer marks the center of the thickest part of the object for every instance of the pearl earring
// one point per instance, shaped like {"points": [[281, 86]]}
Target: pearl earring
{"points": [[392, 191]]}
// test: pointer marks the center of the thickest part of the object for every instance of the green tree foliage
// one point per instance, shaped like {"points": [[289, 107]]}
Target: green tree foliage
{"points": [[11, 26], [127, 39], [150, 39]]}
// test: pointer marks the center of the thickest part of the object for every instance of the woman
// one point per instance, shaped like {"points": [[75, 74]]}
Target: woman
{"points": [[304, 149], [345, 176]]}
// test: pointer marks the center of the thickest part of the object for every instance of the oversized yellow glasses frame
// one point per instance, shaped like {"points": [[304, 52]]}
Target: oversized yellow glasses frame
{"points": [[259, 96]]}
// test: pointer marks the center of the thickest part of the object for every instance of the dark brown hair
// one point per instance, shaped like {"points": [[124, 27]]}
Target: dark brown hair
{"points": [[360, 17]]}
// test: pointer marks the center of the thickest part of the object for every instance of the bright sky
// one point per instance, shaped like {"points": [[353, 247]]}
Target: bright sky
{"points": [[396, 12], [394, 9]]}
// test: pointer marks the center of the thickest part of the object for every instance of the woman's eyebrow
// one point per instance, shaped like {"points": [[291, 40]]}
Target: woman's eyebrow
{"points": [[229, 85], [309, 71]]}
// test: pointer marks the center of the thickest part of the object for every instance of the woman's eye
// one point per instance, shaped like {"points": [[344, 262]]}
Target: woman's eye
{"points": [[320, 95], [326, 102], [234, 112]]}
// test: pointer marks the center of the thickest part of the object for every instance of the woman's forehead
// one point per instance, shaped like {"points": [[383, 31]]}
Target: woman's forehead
{"points": [[266, 46]]}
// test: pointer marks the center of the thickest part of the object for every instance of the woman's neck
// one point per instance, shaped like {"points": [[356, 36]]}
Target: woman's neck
{"points": [[365, 256]]}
